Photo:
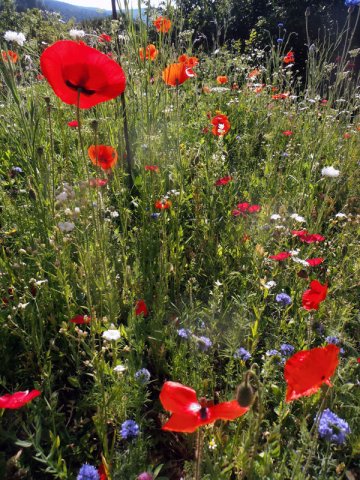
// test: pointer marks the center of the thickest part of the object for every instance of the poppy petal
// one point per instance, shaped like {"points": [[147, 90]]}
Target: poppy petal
{"points": [[178, 398], [226, 411], [182, 423], [18, 399]]}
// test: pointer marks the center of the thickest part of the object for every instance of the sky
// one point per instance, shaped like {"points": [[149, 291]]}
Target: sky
{"points": [[105, 4]]}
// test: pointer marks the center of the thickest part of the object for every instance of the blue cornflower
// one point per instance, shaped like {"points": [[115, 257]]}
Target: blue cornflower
{"points": [[17, 169], [333, 340], [272, 353], [155, 215], [143, 375], [287, 349], [283, 298], [200, 323], [184, 333], [242, 353], [350, 3], [129, 429], [204, 343], [88, 472], [280, 40], [280, 25], [333, 428]]}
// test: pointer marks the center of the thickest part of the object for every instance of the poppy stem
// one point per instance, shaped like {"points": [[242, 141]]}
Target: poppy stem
{"points": [[198, 453]]}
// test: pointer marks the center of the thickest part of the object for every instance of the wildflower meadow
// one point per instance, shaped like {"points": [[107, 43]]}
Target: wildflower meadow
{"points": [[179, 249]]}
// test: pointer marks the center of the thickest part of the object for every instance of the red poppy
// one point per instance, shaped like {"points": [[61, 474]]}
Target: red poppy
{"points": [[243, 207], [152, 168], [254, 208], [162, 24], [151, 52], [188, 413], [311, 238], [73, 124], [163, 204], [222, 79], [176, 74], [74, 70], [103, 156], [280, 96], [280, 256], [312, 297], [288, 133], [102, 471], [104, 38], [289, 58], [40, 77], [221, 125], [307, 370], [223, 181], [254, 73], [80, 319], [299, 233], [141, 308], [347, 136], [18, 399], [9, 55], [98, 182], [192, 62], [314, 261]]}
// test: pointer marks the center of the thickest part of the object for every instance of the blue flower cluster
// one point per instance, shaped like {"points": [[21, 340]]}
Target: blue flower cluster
{"points": [[143, 375], [88, 472], [350, 3], [204, 343], [242, 353], [184, 333], [129, 429], [333, 428], [283, 298]]}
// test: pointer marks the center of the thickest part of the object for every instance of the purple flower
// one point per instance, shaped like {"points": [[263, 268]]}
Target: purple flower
{"points": [[184, 333], [280, 40], [129, 429], [333, 340], [242, 353], [333, 428], [143, 375], [155, 215], [280, 25], [204, 343], [287, 349], [88, 472], [350, 3], [272, 353], [283, 298], [145, 476]]}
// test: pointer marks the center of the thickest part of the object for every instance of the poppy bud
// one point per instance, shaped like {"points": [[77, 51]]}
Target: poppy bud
{"points": [[245, 394], [94, 125], [307, 12], [40, 151]]}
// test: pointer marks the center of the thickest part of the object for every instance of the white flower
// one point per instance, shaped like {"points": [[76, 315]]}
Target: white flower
{"points": [[275, 216], [340, 215], [294, 252], [111, 335], [62, 197], [212, 444], [270, 284], [114, 214], [300, 260], [16, 37], [330, 172], [120, 368], [298, 218], [77, 33], [66, 226]]}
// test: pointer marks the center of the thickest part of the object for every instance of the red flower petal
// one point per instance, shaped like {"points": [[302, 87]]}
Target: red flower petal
{"points": [[254, 208], [312, 238], [299, 233], [141, 308], [280, 256], [72, 67], [178, 398], [73, 124], [316, 294], [103, 156], [227, 411], [307, 370], [223, 181], [18, 399], [182, 423], [221, 125], [314, 261], [80, 319], [243, 207]]}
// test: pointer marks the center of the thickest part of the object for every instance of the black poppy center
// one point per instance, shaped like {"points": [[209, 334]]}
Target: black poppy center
{"points": [[203, 413], [79, 88]]}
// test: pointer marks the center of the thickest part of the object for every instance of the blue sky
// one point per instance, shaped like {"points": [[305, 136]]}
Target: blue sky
{"points": [[106, 4]]}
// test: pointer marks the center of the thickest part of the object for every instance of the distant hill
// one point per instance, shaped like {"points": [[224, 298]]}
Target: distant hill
{"points": [[68, 11]]}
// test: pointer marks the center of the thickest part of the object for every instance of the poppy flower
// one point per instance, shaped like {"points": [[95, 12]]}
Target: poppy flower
{"points": [[313, 262], [18, 399], [151, 52], [40, 77], [103, 156], [152, 168], [288, 133], [189, 413], [312, 297], [73, 124], [221, 125], [243, 207], [254, 73], [80, 319], [141, 308], [311, 238], [222, 79], [307, 370], [280, 256], [280, 96], [162, 24], [98, 182], [223, 181], [347, 136], [9, 56], [176, 74], [102, 471], [299, 233], [163, 204], [104, 38], [289, 58], [74, 70], [254, 208]]}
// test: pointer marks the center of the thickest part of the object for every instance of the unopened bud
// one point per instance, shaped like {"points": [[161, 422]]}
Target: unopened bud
{"points": [[307, 12], [245, 395]]}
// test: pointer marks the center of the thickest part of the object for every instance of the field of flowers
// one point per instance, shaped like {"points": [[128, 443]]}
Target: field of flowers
{"points": [[179, 257]]}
